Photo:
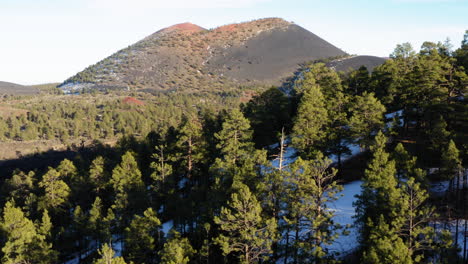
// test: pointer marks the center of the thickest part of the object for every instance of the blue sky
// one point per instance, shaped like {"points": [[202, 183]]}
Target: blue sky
{"points": [[49, 40]]}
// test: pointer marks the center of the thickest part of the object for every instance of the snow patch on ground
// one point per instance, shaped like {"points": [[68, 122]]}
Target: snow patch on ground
{"points": [[441, 187], [167, 226], [344, 212], [290, 155], [353, 148], [452, 227], [343, 207], [393, 114]]}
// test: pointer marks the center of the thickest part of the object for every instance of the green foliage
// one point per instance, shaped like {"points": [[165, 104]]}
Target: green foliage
{"points": [[310, 120], [97, 175], [23, 242], [162, 169], [312, 187], [406, 165], [20, 186], [385, 246], [367, 117], [359, 81], [246, 232], [142, 238], [190, 143], [451, 163], [403, 51], [221, 193], [461, 54], [268, 114], [127, 184], [235, 138], [177, 250], [417, 214], [56, 191], [107, 256], [380, 195]]}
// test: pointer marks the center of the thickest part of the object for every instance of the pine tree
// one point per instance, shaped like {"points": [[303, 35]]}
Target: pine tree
{"points": [[19, 235], [56, 190], [380, 195], [20, 186], [162, 169], [359, 81], [238, 161], [46, 225], [367, 117], [176, 250], [438, 136], [190, 143], [311, 187], [95, 224], [337, 131], [162, 180], [451, 163], [310, 121], [23, 243], [128, 186], [42, 248], [385, 246], [323, 76], [79, 230], [235, 138], [269, 113], [107, 256], [406, 165], [109, 225], [142, 238], [247, 232], [67, 170], [419, 236], [97, 174]]}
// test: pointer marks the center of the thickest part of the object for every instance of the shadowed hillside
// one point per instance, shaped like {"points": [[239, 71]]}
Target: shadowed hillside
{"points": [[16, 89], [353, 63]]}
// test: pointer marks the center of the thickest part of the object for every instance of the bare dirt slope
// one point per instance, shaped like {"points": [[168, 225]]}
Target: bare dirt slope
{"points": [[272, 55], [353, 63], [187, 57]]}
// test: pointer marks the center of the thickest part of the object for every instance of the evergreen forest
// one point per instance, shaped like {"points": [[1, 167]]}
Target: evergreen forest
{"points": [[250, 175]]}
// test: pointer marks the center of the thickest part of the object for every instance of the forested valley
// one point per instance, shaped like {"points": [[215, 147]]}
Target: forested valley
{"points": [[203, 178]]}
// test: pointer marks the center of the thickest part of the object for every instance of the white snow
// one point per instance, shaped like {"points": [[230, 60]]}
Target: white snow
{"points": [[439, 188], [393, 114], [117, 245], [344, 212], [290, 155], [451, 226], [182, 183], [354, 149], [167, 226]]}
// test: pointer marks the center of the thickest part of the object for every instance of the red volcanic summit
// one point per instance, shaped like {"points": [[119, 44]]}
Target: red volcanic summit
{"points": [[184, 27]]}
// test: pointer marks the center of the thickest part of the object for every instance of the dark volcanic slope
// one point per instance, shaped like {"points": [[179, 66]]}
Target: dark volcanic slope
{"points": [[16, 89], [353, 63], [273, 54], [188, 57]]}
